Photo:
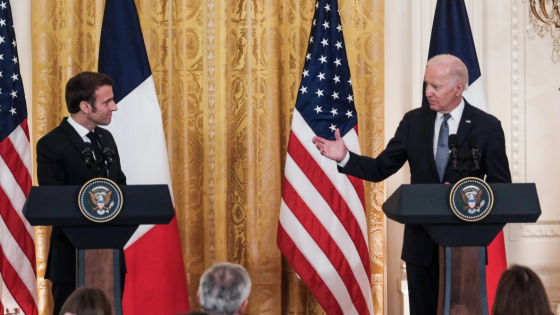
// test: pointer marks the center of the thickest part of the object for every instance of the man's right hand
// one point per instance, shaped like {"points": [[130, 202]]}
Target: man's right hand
{"points": [[334, 150]]}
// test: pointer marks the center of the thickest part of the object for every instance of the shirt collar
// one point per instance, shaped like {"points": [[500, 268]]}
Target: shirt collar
{"points": [[456, 113], [81, 130]]}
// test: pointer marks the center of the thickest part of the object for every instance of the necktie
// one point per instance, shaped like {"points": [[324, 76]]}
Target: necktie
{"points": [[442, 152], [95, 145]]}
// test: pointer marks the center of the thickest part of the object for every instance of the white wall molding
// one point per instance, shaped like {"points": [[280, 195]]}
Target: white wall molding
{"points": [[520, 230], [518, 91], [476, 17], [422, 20], [544, 229]]}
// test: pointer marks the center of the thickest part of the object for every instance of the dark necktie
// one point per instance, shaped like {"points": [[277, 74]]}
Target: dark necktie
{"points": [[442, 152], [96, 147]]}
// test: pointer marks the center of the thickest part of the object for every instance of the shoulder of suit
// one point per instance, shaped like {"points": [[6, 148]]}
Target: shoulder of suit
{"points": [[102, 130], [418, 112], [52, 135], [105, 134], [482, 114]]}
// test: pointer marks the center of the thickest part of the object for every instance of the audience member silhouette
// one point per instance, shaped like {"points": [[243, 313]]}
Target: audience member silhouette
{"points": [[224, 289], [521, 292], [87, 301]]}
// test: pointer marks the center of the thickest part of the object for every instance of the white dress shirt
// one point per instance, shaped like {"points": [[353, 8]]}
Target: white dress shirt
{"points": [[81, 130]]}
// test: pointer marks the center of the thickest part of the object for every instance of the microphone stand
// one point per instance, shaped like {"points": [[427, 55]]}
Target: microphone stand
{"points": [[455, 155], [475, 157], [87, 155], [108, 156]]}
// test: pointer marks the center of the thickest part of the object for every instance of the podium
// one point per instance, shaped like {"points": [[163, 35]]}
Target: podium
{"points": [[58, 206], [462, 288]]}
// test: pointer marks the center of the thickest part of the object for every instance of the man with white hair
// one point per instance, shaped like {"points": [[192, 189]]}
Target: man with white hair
{"points": [[224, 289], [422, 140]]}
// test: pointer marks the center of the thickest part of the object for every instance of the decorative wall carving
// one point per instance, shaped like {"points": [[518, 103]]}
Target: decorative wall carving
{"points": [[541, 229]]}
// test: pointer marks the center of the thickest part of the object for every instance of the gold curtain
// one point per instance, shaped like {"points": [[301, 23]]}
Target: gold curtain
{"points": [[227, 74]]}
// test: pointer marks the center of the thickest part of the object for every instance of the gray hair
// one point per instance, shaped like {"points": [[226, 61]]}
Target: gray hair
{"points": [[223, 288], [457, 68]]}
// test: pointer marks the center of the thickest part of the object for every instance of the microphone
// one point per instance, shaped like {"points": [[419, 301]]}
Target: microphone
{"points": [[454, 154], [473, 151], [87, 153], [108, 155]]}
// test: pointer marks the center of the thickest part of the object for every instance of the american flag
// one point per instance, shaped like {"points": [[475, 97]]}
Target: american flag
{"points": [[322, 229], [18, 284]]}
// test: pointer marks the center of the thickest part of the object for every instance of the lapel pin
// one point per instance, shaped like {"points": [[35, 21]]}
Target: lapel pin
{"points": [[468, 121]]}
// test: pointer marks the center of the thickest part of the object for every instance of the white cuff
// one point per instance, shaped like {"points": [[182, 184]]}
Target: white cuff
{"points": [[345, 160]]}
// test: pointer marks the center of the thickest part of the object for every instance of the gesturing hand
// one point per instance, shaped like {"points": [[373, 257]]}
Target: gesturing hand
{"points": [[334, 150]]}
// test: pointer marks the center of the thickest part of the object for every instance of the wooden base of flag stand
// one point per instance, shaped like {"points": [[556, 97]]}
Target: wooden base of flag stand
{"points": [[462, 281]]}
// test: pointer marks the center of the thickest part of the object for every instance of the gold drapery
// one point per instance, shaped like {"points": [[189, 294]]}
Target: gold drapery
{"points": [[227, 74]]}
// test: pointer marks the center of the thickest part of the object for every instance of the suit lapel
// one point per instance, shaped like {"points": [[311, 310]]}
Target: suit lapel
{"points": [[73, 136], [102, 141], [465, 127], [105, 142], [428, 134], [466, 123]]}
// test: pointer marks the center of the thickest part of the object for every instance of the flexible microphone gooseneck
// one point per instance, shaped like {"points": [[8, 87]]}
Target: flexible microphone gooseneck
{"points": [[87, 153], [454, 155], [108, 155], [473, 151]]}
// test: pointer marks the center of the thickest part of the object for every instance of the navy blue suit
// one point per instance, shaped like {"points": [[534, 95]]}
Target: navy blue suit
{"points": [[413, 142]]}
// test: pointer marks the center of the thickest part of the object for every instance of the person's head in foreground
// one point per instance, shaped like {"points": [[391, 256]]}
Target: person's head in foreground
{"points": [[224, 289], [521, 292], [87, 301]]}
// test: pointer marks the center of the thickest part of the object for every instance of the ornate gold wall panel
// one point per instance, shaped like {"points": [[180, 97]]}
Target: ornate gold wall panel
{"points": [[227, 74]]}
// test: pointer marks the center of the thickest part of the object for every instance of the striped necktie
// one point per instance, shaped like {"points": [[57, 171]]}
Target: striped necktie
{"points": [[442, 152]]}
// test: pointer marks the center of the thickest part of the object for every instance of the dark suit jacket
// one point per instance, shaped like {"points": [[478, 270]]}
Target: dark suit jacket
{"points": [[60, 162], [413, 142]]}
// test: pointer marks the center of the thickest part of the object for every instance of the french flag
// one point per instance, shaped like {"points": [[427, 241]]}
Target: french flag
{"points": [[156, 281], [451, 34]]}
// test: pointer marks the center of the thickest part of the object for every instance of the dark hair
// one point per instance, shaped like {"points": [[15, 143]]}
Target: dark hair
{"points": [[521, 292], [82, 87], [87, 301]]}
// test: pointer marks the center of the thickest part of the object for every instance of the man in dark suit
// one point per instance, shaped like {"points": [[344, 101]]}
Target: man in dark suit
{"points": [[421, 139], [89, 98]]}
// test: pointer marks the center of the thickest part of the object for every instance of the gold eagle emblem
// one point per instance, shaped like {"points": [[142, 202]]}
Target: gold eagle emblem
{"points": [[466, 200], [106, 200]]}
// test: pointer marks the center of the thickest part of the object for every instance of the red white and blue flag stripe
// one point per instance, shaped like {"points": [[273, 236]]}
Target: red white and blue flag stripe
{"points": [[18, 282], [322, 229], [156, 281]]}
